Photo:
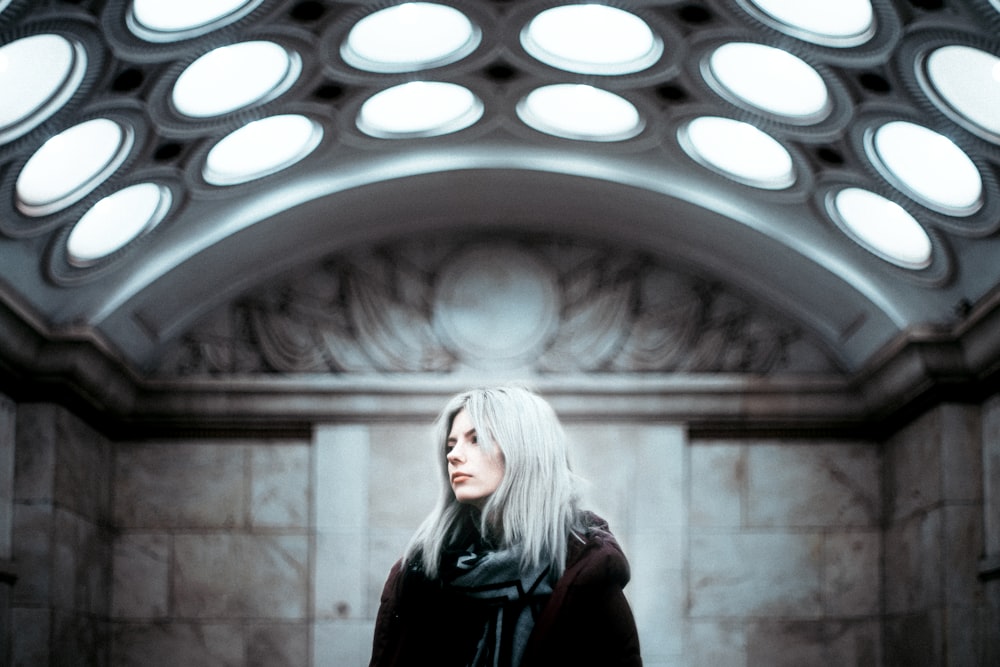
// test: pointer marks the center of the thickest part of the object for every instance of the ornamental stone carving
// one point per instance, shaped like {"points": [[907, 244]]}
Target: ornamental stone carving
{"points": [[540, 307]]}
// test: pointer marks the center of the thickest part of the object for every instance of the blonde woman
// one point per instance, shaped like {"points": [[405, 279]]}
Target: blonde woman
{"points": [[506, 571]]}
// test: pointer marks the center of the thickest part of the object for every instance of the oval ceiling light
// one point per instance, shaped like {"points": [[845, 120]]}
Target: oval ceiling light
{"points": [[592, 39], [927, 166], [835, 23], [965, 83], [38, 75], [577, 111], [115, 221], [739, 151], [419, 109], [261, 148], [409, 37], [159, 21], [236, 76], [770, 80], [882, 227], [71, 164]]}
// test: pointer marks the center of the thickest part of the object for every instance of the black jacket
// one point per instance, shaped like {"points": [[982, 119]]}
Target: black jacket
{"points": [[586, 621]]}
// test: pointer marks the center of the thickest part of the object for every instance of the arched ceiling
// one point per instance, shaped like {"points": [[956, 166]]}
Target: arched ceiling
{"points": [[755, 210]]}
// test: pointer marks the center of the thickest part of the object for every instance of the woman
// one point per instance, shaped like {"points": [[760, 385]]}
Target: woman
{"points": [[505, 571]]}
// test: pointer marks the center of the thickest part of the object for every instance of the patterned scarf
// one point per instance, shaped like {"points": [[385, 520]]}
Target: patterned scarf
{"points": [[512, 600]]}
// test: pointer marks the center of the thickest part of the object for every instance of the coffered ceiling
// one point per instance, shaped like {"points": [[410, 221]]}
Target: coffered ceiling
{"points": [[836, 160]]}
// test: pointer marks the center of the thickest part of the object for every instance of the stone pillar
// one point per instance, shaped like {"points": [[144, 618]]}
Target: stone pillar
{"points": [[342, 625], [990, 565]]}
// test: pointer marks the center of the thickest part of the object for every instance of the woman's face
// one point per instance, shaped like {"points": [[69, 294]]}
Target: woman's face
{"points": [[475, 474]]}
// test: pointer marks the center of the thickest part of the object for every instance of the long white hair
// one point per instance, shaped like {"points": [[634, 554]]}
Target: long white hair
{"points": [[534, 506]]}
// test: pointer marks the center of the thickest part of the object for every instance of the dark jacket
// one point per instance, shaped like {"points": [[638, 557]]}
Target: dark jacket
{"points": [[586, 621]]}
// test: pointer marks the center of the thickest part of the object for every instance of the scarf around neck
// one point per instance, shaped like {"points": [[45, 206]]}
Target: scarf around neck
{"points": [[511, 597]]}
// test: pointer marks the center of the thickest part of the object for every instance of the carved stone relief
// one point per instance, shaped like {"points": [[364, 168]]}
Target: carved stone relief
{"points": [[544, 307]]}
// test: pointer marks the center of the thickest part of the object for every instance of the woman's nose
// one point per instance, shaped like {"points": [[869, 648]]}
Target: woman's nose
{"points": [[454, 455]]}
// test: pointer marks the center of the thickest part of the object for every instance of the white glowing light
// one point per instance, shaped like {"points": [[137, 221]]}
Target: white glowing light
{"points": [[71, 164], [928, 166], [592, 39], [232, 77], [771, 80], [408, 37], [117, 220], [965, 83], [882, 227], [261, 148], [174, 20], [38, 75], [836, 23], [739, 151], [576, 111], [419, 109]]}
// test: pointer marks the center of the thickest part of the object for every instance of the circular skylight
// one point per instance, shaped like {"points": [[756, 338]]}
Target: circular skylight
{"points": [[117, 220], [411, 36], [927, 166], [71, 164], [160, 21], [965, 83], [836, 23], [739, 151], [882, 227], [261, 148], [38, 75], [577, 111], [419, 109], [771, 80], [592, 39], [232, 77]]}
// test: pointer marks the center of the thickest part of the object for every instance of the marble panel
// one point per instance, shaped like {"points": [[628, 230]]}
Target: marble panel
{"points": [[35, 456], [212, 574], [852, 575], [342, 643], [913, 564], [719, 643], [792, 643], [80, 640], [991, 475], [961, 453], [914, 640], [658, 487], [83, 468], [404, 479], [8, 438], [141, 576], [718, 484], [962, 540], [32, 636], [277, 645], [813, 485], [187, 485], [341, 483], [209, 644], [33, 544], [656, 593], [913, 468], [280, 490], [604, 456], [340, 585], [81, 558], [756, 574]]}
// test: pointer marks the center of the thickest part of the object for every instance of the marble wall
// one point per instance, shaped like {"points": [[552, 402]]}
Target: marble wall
{"points": [[62, 540], [934, 611], [211, 565], [274, 552]]}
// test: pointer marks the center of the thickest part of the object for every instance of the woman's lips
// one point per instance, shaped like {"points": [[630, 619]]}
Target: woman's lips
{"points": [[459, 477]]}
